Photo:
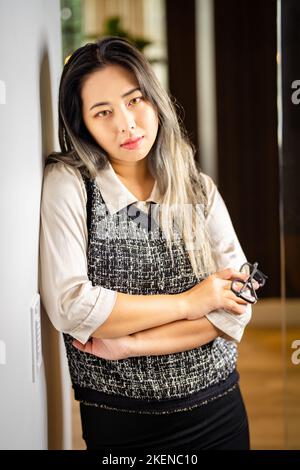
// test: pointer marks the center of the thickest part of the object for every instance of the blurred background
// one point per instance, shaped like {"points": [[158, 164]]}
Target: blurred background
{"points": [[232, 67]]}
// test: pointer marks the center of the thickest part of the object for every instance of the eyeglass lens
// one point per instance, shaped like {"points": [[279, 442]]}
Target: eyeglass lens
{"points": [[244, 290]]}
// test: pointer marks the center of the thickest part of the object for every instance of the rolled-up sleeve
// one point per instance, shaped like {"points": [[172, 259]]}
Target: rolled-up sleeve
{"points": [[227, 252], [72, 303]]}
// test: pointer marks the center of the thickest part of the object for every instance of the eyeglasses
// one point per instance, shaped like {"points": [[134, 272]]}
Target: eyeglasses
{"points": [[245, 289]]}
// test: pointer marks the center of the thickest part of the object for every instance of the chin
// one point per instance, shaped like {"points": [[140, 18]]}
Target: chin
{"points": [[132, 156]]}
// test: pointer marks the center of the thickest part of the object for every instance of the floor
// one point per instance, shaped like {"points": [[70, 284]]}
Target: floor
{"points": [[260, 366]]}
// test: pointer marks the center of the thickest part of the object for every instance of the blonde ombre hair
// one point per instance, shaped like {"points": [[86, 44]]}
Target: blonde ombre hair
{"points": [[171, 159]]}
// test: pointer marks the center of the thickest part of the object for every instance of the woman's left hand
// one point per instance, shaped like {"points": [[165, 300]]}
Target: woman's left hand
{"points": [[109, 349]]}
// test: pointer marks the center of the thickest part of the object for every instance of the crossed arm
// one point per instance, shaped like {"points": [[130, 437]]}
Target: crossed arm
{"points": [[178, 336]]}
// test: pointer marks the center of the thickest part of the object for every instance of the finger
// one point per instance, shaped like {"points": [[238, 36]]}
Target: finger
{"points": [[236, 298], [230, 273], [235, 308], [227, 287]]}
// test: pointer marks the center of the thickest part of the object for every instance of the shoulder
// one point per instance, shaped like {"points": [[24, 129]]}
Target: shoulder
{"points": [[62, 181], [61, 174]]}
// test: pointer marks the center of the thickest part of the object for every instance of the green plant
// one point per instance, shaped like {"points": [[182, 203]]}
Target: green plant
{"points": [[113, 27]]}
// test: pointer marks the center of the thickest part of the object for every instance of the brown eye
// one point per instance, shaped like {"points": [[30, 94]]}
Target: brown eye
{"points": [[104, 113], [136, 100]]}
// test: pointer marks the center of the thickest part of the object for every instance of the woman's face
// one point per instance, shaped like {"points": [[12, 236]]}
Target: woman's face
{"points": [[115, 111]]}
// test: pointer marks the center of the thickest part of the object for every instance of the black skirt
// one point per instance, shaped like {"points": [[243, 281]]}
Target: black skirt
{"points": [[219, 424]]}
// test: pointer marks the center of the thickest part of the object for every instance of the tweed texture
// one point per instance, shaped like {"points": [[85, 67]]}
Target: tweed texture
{"points": [[128, 255]]}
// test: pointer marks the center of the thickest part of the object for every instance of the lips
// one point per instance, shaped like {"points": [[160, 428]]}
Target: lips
{"points": [[132, 143]]}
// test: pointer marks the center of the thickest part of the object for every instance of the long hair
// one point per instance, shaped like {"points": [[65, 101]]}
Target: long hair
{"points": [[172, 157]]}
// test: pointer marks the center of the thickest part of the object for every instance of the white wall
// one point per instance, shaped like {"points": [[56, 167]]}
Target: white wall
{"points": [[30, 66]]}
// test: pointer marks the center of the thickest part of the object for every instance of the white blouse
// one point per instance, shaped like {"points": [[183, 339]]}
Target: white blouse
{"points": [[72, 303]]}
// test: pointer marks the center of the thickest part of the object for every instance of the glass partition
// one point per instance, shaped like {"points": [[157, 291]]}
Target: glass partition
{"points": [[289, 165]]}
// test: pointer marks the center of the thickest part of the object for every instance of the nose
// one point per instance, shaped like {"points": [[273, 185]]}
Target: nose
{"points": [[125, 121]]}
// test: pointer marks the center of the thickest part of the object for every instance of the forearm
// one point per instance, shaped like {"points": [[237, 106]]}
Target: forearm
{"points": [[178, 336], [135, 313]]}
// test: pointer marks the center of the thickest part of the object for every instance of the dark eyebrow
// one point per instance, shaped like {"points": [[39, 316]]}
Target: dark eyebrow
{"points": [[102, 103]]}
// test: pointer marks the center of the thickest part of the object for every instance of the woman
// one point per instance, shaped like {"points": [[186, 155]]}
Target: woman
{"points": [[137, 258]]}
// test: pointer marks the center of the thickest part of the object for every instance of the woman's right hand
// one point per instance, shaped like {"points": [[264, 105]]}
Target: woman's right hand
{"points": [[213, 293]]}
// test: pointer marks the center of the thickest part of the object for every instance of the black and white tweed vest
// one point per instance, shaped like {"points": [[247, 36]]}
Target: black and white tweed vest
{"points": [[128, 255]]}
